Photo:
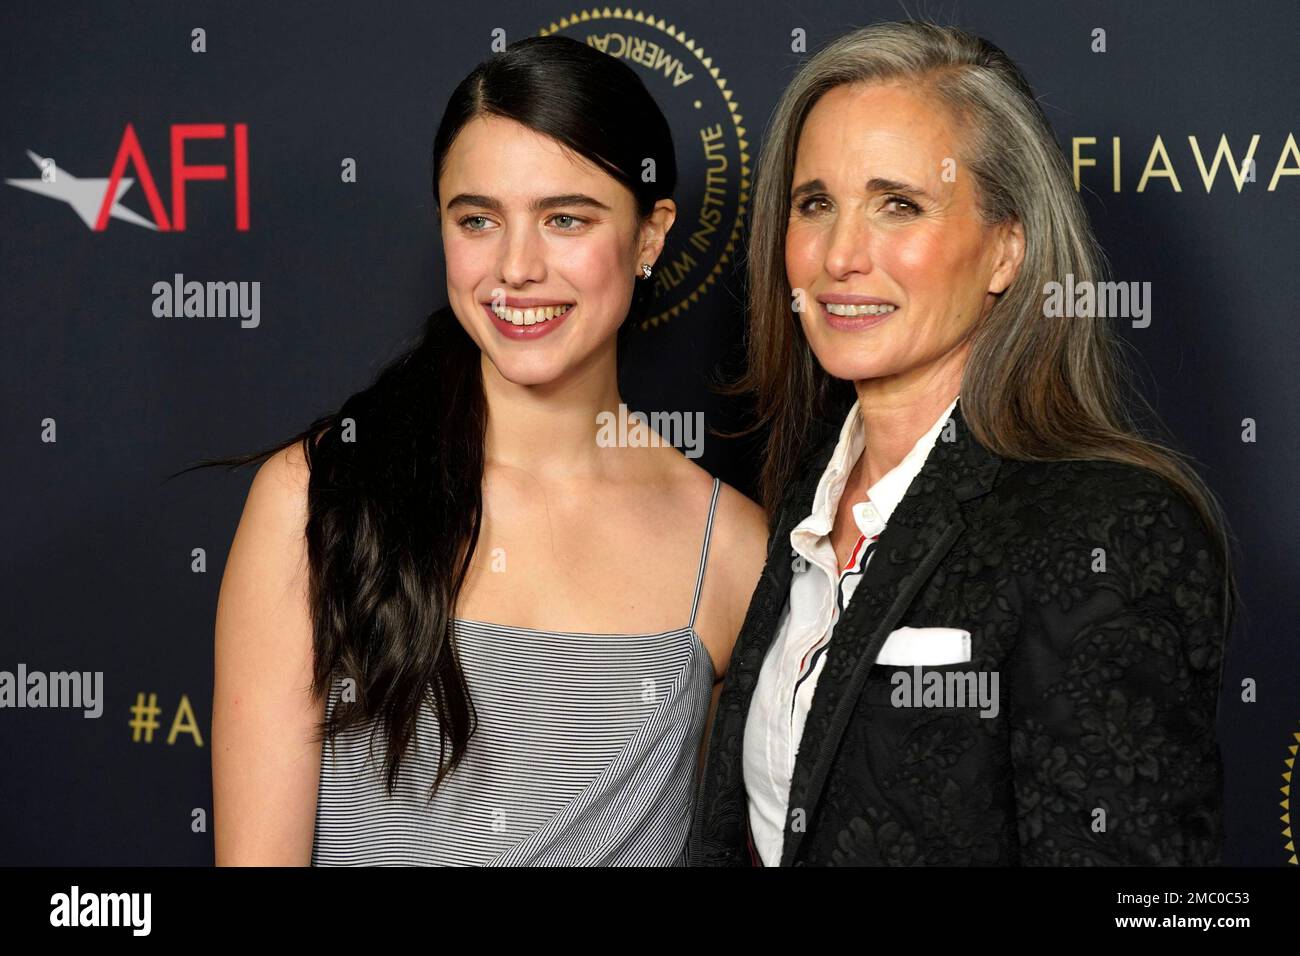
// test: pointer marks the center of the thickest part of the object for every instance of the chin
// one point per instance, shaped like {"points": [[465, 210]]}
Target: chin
{"points": [[533, 371], [850, 367]]}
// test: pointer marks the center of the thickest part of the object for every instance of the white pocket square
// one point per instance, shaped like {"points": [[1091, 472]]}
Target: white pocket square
{"points": [[925, 647]]}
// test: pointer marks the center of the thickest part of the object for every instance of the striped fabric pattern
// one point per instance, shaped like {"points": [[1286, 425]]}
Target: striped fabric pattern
{"points": [[584, 755], [850, 574]]}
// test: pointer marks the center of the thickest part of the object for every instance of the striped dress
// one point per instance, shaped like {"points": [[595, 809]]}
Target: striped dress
{"points": [[584, 755]]}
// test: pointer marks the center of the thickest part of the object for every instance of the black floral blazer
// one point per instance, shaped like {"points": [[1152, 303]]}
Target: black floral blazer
{"points": [[1103, 749]]}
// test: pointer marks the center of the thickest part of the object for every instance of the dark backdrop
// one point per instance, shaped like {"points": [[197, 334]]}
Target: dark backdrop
{"points": [[98, 553]]}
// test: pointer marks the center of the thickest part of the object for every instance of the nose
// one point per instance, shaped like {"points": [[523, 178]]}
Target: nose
{"points": [[848, 247], [520, 260]]}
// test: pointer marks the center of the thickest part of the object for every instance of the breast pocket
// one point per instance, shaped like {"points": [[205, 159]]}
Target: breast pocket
{"points": [[927, 646]]}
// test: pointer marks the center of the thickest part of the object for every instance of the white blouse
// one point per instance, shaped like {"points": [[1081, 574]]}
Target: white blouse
{"points": [[819, 592]]}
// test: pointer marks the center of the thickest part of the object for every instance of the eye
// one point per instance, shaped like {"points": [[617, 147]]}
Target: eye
{"points": [[810, 207], [911, 208], [468, 222], [569, 224]]}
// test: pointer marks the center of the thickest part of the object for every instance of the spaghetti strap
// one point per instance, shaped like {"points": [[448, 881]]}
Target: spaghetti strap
{"points": [[704, 551]]}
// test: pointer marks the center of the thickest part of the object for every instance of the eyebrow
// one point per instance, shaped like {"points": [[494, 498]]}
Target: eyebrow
{"points": [[873, 185], [537, 205]]}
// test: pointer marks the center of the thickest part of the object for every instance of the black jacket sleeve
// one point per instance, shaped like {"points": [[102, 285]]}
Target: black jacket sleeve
{"points": [[1115, 684]]}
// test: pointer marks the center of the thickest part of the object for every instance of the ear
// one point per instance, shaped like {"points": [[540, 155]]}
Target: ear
{"points": [[654, 230], [1010, 254]]}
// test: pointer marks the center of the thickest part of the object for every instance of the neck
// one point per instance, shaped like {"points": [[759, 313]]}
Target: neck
{"points": [[549, 430], [896, 411]]}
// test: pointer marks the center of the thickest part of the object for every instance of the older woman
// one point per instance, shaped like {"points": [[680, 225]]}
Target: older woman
{"points": [[991, 624]]}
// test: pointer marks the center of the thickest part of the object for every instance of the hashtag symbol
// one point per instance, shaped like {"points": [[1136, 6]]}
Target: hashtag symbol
{"points": [[145, 717]]}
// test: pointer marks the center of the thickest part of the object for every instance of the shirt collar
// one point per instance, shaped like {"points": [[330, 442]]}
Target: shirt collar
{"points": [[884, 495]]}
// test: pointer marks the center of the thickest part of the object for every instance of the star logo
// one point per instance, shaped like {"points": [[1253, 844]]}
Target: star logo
{"points": [[85, 196]]}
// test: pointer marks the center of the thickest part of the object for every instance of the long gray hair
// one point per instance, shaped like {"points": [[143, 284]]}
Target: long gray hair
{"points": [[1034, 388]]}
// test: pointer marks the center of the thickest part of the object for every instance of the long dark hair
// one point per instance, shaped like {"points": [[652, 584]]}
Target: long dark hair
{"points": [[395, 503]]}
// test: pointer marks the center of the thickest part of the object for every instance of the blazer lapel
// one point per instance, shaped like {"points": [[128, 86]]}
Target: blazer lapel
{"points": [[920, 532]]}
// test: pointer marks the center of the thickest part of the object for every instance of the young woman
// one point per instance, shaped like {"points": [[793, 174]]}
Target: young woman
{"points": [[454, 628]]}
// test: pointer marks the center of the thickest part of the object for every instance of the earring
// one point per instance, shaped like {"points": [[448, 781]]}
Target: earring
{"points": [[645, 270]]}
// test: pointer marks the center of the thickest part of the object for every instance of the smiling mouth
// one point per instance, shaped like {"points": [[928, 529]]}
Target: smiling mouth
{"points": [[531, 316], [850, 311]]}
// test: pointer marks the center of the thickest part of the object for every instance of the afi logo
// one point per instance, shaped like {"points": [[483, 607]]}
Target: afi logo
{"points": [[98, 200]]}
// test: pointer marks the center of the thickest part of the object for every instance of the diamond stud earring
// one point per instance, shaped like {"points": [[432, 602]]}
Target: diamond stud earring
{"points": [[645, 270]]}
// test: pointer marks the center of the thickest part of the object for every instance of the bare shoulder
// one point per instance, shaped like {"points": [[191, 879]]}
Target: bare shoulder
{"points": [[739, 548], [280, 485], [270, 538], [739, 531], [270, 542], [737, 551], [739, 537]]}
